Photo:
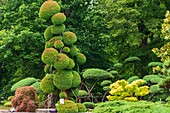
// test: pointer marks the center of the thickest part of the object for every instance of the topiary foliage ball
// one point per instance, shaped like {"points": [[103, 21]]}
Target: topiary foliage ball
{"points": [[63, 79], [47, 33], [76, 79], [74, 51], [68, 107], [69, 38], [58, 18], [57, 29], [46, 84], [80, 58], [48, 9], [49, 55], [58, 44], [66, 50], [61, 62], [71, 64], [53, 40], [62, 95], [81, 107]]}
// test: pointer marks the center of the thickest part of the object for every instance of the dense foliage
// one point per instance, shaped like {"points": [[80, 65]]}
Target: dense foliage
{"points": [[131, 107]]}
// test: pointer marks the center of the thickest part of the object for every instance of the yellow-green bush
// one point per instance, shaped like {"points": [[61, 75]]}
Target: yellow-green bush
{"points": [[69, 38], [58, 18], [49, 55], [68, 107], [47, 33], [122, 90], [80, 58], [61, 61], [76, 79], [74, 51], [48, 9], [46, 84], [57, 29], [58, 44], [71, 64], [81, 107], [63, 79]]}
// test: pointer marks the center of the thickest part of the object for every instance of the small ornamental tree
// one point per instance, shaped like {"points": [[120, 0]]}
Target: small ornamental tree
{"points": [[61, 56]]}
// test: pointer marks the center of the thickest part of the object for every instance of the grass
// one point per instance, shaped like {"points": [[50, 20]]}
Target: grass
{"points": [[2, 107]]}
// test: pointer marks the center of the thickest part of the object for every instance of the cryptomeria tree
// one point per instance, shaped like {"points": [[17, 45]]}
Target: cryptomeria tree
{"points": [[61, 56]]}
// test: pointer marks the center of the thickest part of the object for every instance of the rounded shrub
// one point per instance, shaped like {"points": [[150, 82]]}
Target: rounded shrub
{"points": [[63, 79], [57, 29], [58, 18], [53, 40], [46, 84], [8, 104], [69, 38], [66, 50], [68, 107], [47, 33], [76, 79], [49, 55], [61, 61], [71, 64], [105, 82], [24, 82], [48, 9], [90, 105], [80, 58], [82, 93], [133, 78], [74, 51], [81, 107], [58, 44], [62, 95]]}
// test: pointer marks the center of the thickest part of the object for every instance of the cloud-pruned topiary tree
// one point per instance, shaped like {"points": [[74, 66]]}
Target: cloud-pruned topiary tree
{"points": [[61, 56]]}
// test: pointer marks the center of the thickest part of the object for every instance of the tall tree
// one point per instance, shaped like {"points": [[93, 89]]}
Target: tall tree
{"points": [[20, 41]]}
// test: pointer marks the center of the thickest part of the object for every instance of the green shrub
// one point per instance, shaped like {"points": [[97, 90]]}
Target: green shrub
{"points": [[90, 105], [63, 79], [49, 56], [76, 79], [80, 58], [152, 78], [48, 9], [46, 84], [82, 93], [81, 107], [68, 107], [105, 82], [61, 62], [96, 74], [131, 107], [58, 18], [8, 104], [133, 78], [154, 64], [24, 82], [62, 95], [37, 86], [69, 38], [132, 59]]}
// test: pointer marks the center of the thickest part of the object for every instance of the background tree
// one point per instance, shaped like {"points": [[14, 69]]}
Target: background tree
{"points": [[20, 42]]}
